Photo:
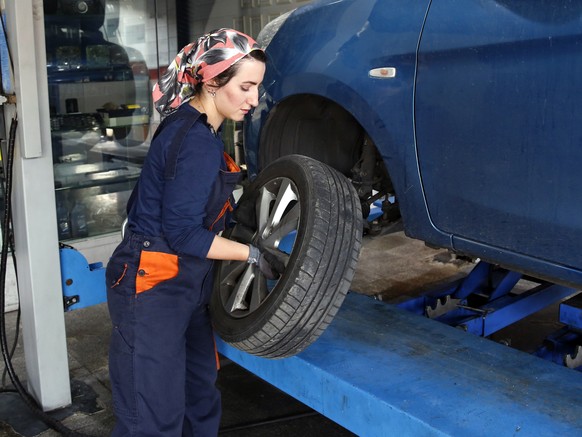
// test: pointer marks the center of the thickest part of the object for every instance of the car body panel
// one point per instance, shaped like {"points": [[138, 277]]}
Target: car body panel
{"points": [[498, 132], [477, 127], [387, 35]]}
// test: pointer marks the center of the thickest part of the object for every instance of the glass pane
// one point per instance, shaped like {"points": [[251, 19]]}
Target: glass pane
{"points": [[102, 59]]}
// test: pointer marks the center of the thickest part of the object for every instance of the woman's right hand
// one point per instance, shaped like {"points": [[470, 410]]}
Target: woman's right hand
{"points": [[269, 265]]}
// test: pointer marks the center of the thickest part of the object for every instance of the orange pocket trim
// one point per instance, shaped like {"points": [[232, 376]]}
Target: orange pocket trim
{"points": [[227, 207], [234, 168], [216, 355], [230, 163], [155, 267], [121, 277]]}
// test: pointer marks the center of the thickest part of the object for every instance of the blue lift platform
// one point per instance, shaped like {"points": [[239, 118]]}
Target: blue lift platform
{"points": [[379, 370], [408, 370]]}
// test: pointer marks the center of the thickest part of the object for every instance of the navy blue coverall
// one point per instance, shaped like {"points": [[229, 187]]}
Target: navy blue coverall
{"points": [[162, 357]]}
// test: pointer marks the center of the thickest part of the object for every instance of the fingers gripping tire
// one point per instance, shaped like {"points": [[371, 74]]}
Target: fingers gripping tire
{"points": [[309, 215]]}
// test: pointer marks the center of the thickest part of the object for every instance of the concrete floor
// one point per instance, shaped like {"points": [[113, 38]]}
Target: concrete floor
{"points": [[392, 267]]}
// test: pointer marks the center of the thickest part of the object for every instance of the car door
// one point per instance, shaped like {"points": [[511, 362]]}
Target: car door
{"points": [[499, 125]]}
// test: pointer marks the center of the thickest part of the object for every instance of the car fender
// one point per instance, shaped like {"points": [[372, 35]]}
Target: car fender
{"points": [[394, 138]]}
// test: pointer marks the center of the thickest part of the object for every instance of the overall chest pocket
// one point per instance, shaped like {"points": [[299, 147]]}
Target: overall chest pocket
{"points": [[222, 204]]}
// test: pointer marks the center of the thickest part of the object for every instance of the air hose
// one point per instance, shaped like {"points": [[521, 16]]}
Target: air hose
{"points": [[19, 313], [29, 401]]}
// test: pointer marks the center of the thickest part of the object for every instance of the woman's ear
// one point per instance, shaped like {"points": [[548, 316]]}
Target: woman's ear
{"points": [[211, 87], [212, 84]]}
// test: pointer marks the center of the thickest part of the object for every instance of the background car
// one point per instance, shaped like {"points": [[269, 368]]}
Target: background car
{"points": [[464, 112]]}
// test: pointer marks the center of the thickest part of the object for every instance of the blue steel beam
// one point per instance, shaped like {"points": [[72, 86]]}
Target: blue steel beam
{"points": [[380, 371], [509, 309]]}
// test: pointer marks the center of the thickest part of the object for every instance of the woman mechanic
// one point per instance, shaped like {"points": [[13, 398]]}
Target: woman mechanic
{"points": [[162, 357]]}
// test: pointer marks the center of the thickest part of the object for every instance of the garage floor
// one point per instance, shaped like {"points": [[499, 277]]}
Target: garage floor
{"points": [[392, 267]]}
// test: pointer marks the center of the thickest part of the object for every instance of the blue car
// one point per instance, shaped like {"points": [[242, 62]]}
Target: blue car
{"points": [[465, 112]]}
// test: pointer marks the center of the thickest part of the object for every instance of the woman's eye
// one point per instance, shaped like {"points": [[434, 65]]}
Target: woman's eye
{"points": [[244, 89]]}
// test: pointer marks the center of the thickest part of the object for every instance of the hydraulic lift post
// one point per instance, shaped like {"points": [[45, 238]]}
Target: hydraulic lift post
{"points": [[34, 212]]}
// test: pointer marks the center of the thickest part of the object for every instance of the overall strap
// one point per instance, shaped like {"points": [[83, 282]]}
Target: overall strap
{"points": [[172, 157], [176, 145]]}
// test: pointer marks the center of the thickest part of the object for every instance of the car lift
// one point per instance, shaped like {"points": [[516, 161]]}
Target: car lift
{"points": [[385, 369], [83, 283], [380, 369], [488, 300]]}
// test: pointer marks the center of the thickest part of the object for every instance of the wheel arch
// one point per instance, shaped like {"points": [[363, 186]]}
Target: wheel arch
{"points": [[302, 122]]}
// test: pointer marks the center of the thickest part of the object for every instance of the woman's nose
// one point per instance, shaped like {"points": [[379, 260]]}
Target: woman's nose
{"points": [[254, 99]]}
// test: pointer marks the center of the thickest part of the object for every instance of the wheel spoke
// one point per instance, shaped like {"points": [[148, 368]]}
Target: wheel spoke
{"points": [[288, 224], [263, 207], [285, 196], [258, 293], [236, 301]]}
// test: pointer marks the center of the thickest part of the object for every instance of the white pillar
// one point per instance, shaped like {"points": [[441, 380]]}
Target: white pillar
{"points": [[33, 207]]}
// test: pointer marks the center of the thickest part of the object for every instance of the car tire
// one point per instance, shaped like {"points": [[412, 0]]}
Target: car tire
{"points": [[308, 215]]}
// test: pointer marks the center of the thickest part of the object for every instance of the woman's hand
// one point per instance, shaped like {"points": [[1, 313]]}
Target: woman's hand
{"points": [[269, 265]]}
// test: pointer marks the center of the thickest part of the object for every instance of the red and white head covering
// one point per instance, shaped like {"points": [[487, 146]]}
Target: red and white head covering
{"points": [[198, 62]]}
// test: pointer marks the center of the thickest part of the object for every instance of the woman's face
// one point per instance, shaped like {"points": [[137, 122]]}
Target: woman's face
{"points": [[241, 93]]}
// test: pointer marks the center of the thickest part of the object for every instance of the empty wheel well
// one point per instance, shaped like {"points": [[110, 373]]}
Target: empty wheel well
{"points": [[314, 126]]}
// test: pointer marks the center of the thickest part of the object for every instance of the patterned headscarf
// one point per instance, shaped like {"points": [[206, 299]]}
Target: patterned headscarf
{"points": [[198, 62]]}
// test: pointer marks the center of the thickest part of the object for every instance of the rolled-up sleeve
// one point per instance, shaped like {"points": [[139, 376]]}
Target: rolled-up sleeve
{"points": [[185, 197]]}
